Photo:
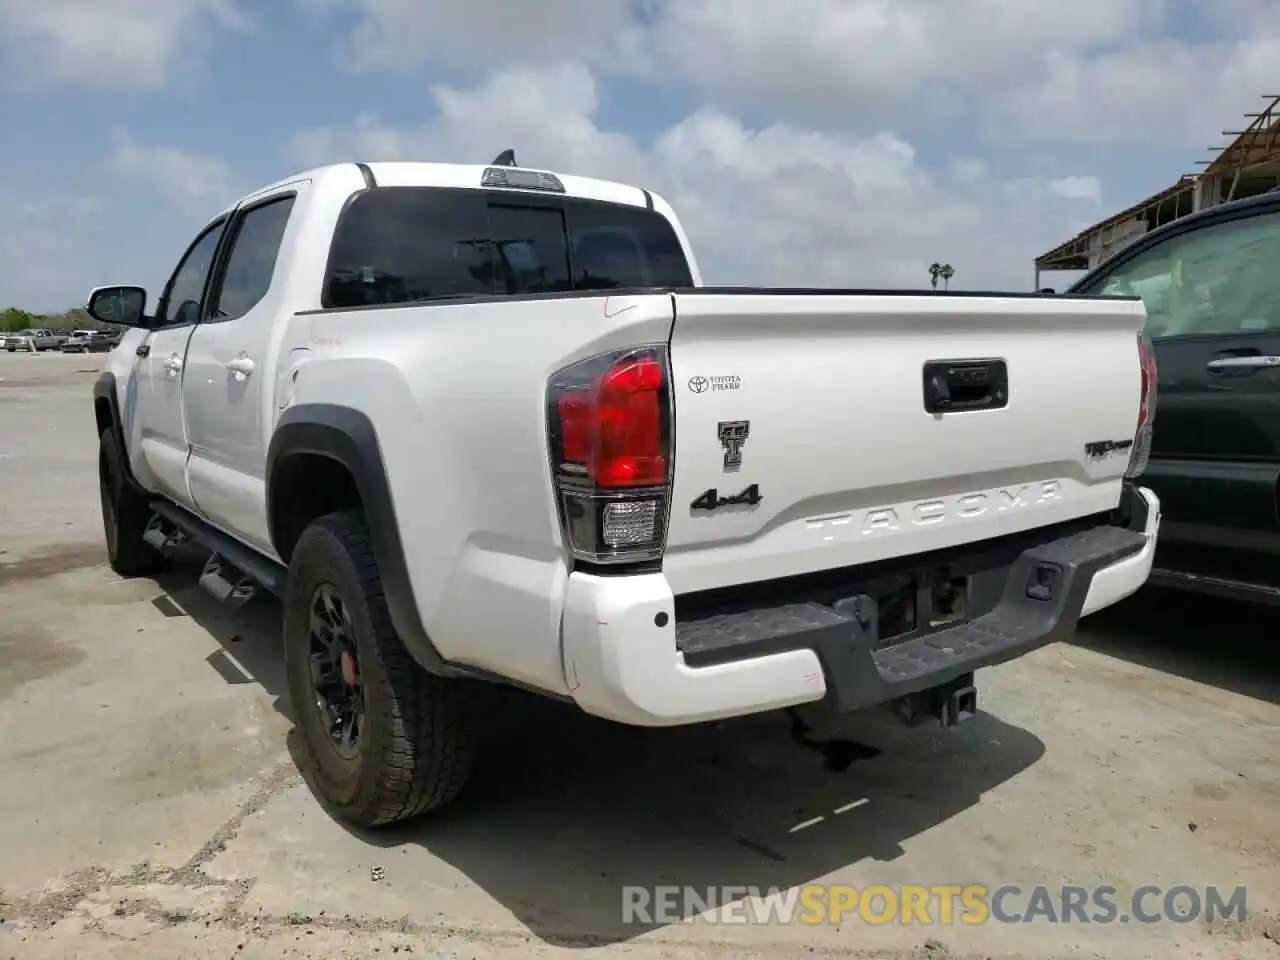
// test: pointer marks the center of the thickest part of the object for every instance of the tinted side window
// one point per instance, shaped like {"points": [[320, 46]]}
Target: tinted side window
{"points": [[617, 246], [1220, 279], [184, 297], [398, 244], [252, 262]]}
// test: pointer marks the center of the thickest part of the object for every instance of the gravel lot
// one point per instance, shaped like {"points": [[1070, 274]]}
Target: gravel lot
{"points": [[149, 807]]}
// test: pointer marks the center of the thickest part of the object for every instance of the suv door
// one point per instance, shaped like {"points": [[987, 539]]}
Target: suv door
{"points": [[1212, 292], [158, 436]]}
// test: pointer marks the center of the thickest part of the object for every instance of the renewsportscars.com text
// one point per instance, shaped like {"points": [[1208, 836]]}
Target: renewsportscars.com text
{"points": [[941, 904]]}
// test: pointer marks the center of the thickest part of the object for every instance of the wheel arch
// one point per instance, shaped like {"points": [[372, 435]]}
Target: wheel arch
{"points": [[342, 443], [106, 415]]}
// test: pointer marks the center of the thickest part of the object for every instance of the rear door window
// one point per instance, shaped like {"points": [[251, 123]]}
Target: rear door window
{"points": [[251, 264], [410, 244], [400, 244]]}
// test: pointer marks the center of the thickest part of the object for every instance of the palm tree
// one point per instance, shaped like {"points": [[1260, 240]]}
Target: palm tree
{"points": [[946, 272], [935, 271]]}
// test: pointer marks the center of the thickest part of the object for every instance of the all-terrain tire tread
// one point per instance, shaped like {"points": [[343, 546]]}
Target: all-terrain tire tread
{"points": [[426, 758]]}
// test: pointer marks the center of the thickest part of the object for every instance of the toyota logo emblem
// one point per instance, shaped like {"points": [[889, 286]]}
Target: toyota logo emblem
{"points": [[699, 384]]}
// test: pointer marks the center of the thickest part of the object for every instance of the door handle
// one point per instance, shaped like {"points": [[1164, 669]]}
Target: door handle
{"points": [[241, 367], [1242, 364], [144, 350]]}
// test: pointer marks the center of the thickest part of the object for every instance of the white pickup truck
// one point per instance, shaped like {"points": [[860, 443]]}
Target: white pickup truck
{"points": [[36, 341], [486, 424]]}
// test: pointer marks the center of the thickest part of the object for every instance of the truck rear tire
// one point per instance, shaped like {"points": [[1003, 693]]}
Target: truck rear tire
{"points": [[385, 739], [125, 514]]}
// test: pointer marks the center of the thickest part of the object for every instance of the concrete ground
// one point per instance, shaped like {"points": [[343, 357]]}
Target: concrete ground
{"points": [[149, 807]]}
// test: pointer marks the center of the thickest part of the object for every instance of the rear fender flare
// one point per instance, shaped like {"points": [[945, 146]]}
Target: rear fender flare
{"points": [[348, 436]]}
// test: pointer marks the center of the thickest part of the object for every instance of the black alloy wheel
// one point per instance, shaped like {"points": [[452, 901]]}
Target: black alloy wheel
{"points": [[335, 672]]}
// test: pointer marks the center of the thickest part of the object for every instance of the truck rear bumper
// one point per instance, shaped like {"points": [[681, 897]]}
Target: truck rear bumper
{"points": [[628, 659]]}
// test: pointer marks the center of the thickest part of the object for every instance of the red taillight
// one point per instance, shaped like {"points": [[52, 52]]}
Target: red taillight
{"points": [[1146, 407], [614, 425], [610, 431]]}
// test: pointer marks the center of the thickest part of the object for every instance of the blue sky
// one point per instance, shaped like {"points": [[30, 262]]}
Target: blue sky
{"points": [[846, 142]]}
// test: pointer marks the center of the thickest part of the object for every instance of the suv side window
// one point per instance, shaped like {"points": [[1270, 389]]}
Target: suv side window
{"points": [[252, 261], [183, 298], [1221, 279]]}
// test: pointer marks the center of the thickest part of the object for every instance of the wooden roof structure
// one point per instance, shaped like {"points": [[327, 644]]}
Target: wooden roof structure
{"points": [[1254, 147]]}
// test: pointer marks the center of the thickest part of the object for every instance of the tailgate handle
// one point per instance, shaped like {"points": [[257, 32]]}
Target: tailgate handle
{"points": [[952, 386]]}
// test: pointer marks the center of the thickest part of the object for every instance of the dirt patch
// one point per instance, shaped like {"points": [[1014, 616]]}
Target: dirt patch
{"points": [[31, 653], [50, 562], [1258, 925], [173, 760]]}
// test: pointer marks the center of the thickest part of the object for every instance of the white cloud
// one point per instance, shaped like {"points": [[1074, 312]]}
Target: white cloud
{"points": [[403, 34], [1157, 92], [778, 205], [190, 182], [827, 142], [107, 43], [1077, 188], [45, 242], [127, 223], [1014, 71], [849, 59]]}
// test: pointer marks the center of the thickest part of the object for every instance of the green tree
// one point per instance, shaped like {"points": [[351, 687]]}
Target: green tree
{"points": [[946, 272], [935, 271], [14, 319]]}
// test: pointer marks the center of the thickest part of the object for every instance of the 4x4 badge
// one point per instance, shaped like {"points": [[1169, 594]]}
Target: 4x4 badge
{"points": [[733, 436]]}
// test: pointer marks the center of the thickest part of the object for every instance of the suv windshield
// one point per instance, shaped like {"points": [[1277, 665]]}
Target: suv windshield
{"points": [[404, 244]]}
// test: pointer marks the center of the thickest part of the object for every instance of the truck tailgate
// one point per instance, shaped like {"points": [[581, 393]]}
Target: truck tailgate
{"points": [[803, 442]]}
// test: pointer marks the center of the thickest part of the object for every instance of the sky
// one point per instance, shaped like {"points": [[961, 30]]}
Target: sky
{"points": [[814, 142]]}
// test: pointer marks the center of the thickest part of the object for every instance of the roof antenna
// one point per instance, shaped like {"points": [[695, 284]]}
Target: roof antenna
{"points": [[507, 158]]}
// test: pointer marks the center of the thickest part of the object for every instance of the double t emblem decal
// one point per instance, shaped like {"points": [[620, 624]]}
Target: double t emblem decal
{"points": [[733, 436]]}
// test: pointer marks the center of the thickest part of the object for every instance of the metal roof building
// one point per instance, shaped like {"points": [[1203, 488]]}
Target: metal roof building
{"points": [[1250, 165]]}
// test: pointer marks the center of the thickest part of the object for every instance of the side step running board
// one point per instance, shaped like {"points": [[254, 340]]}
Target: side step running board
{"points": [[225, 583], [161, 536], [234, 573]]}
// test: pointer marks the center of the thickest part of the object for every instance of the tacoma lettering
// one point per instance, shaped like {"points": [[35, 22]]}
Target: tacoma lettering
{"points": [[966, 507]]}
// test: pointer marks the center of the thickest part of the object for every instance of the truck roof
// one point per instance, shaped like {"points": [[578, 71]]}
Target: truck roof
{"points": [[401, 173]]}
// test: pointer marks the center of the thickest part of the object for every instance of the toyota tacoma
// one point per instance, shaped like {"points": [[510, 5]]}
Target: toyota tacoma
{"points": [[485, 424]]}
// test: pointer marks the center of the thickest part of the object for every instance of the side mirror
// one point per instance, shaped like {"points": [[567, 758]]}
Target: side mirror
{"points": [[1047, 290], [119, 305]]}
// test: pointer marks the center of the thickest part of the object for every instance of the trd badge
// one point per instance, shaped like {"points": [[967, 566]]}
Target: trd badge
{"points": [[733, 436]]}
